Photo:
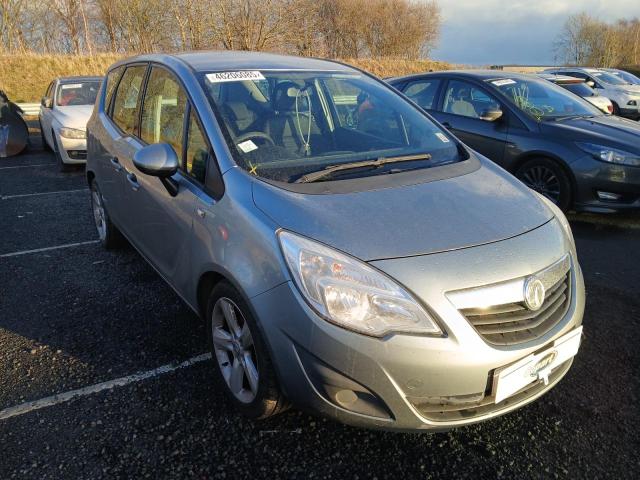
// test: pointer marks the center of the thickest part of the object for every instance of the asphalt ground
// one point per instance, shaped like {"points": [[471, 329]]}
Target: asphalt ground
{"points": [[74, 317]]}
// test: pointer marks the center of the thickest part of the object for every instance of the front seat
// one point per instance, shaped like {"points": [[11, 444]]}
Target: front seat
{"points": [[282, 124], [461, 105]]}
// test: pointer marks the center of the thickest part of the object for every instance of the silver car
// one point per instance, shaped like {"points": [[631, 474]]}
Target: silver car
{"points": [[348, 254]]}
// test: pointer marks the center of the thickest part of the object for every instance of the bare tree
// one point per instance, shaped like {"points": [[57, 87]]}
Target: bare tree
{"points": [[11, 23]]}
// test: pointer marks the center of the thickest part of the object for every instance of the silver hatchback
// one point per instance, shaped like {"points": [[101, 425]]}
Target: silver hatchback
{"points": [[349, 255]]}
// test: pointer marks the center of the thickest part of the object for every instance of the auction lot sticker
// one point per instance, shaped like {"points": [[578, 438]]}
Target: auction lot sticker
{"points": [[234, 76]]}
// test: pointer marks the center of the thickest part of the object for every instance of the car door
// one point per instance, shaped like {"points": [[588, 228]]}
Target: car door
{"points": [[459, 110], [46, 115], [161, 224], [118, 144]]}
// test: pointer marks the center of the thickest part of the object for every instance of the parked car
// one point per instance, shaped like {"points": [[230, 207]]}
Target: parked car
{"points": [[624, 75], [579, 87], [625, 97], [552, 140], [347, 253], [64, 111]]}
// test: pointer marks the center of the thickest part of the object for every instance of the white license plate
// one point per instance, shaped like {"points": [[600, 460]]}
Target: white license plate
{"points": [[536, 366]]}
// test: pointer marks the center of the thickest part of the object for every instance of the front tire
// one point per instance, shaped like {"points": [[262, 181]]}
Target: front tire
{"points": [[63, 167], [242, 367], [45, 145], [108, 233], [548, 178]]}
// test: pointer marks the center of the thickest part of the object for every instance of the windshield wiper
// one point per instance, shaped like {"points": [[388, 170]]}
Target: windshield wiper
{"points": [[377, 163]]}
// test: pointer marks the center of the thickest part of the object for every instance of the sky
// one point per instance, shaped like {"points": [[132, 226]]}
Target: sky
{"points": [[487, 32]]}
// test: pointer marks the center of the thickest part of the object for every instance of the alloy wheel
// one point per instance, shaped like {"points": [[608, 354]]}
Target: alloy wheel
{"points": [[98, 213], [543, 180], [234, 350]]}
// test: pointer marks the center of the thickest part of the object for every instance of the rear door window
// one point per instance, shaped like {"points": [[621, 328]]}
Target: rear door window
{"points": [[163, 111], [125, 106], [423, 92]]}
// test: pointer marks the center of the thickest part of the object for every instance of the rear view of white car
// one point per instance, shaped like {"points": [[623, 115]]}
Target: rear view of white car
{"points": [[64, 112]]}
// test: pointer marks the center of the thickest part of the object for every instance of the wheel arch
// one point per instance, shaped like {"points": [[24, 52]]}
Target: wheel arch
{"points": [[525, 157]]}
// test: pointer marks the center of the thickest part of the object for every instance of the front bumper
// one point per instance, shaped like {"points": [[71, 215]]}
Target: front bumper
{"points": [[320, 365], [72, 151], [593, 176]]}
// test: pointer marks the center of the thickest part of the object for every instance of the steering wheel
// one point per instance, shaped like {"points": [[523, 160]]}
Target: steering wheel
{"points": [[257, 135]]}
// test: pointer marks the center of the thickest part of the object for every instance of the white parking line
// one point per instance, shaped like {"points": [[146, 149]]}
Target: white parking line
{"points": [[8, 197], [98, 387], [46, 249], [28, 166]]}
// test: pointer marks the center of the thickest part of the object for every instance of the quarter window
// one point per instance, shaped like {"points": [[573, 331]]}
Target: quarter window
{"points": [[197, 151], [423, 92], [163, 110], [467, 100], [126, 100], [112, 81]]}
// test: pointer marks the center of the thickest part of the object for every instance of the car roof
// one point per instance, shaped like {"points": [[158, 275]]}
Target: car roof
{"points": [[78, 78], [584, 69], [556, 78], [229, 60], [474, 74]]}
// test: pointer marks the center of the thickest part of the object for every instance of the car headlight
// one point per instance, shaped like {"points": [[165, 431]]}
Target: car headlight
{"points": [[73, 133], [562, 219], [350, 293], [610, 155]]}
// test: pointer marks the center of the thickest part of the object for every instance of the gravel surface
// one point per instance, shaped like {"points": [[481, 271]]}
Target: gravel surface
{"points": [[76, 317]]}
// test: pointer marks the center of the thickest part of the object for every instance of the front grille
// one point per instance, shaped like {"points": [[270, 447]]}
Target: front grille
{"points": [[513, 323], [458, 412]]}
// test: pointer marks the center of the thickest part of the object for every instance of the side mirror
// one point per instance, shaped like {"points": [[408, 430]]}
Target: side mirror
{"points": [[46, 102], [591, 83], [490, 115], [159, 160]]}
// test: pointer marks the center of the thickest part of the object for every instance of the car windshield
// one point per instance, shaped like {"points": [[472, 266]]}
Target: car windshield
{"points": [[284, 125], [580, 89], [543, 100], [77, 93], [628, 77], [609, 78]]}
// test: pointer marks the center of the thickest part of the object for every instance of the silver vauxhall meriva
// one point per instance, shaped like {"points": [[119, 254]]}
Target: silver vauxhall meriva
{"points": [[349, 255]]}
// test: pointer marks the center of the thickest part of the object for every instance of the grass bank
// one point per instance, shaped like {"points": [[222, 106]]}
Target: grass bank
{"points": [[25, 77]]}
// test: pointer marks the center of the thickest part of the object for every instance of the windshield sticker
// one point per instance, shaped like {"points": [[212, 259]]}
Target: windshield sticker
{"points": [[506, 81], [247, 146], [220, 77], [71, 85], [442, 137]]}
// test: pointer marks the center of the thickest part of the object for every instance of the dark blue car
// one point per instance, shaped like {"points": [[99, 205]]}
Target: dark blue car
{"points": [[554, 141]]}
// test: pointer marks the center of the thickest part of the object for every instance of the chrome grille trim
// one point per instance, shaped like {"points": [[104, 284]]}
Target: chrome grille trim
{"points": [[504, 319]]}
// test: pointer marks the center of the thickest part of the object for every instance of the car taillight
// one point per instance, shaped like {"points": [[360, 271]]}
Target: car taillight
{"points": [[610, 108]]}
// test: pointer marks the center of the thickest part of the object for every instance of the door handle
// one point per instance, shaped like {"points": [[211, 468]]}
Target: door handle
{"points": [[133, 181], [116, 164], [201, 213], [446, 125]]}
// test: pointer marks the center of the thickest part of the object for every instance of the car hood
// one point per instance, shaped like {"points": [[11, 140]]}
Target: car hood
{"points": [[609, 129], [485, 206], [73, 116]]}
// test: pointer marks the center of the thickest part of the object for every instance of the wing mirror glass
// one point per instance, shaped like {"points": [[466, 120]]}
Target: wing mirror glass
{"points": [[159, 160], [46, 102], [491, 115]]}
